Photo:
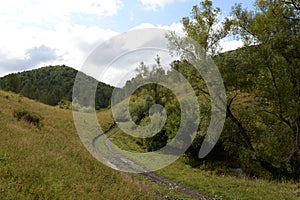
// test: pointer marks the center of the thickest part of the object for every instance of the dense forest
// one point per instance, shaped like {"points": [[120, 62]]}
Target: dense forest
{"points": [[262, 80], [52, 85]]}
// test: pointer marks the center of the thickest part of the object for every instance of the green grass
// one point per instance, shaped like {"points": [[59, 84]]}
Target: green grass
{"points": [[166, 191], [226, 186], [105, 119], [128, 143], [50, 162], [229, 187]]}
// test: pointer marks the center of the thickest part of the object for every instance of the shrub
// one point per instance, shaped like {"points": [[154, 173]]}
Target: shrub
{"points": [[65, 104], [28, 116], [86, 109]]}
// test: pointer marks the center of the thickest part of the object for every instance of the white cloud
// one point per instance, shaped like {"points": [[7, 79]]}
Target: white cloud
{"points": [[177, 27], [132, 17], [113, 60], [33, 57], [28, 26], [32, 24], [72, 43], [34, 10], [228, 44], [155, 5]]}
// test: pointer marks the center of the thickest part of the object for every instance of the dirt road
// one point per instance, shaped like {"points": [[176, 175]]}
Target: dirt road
{"points": [[154, 177]]}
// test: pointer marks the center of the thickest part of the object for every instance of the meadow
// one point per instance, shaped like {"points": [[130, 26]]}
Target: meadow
{"points": [[49, 162]]}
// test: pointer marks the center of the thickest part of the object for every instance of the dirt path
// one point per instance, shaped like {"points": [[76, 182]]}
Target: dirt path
{"points": [[156, 178]]}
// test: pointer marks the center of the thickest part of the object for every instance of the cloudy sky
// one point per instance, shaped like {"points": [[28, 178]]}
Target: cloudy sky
{"points": [[36, 33]]}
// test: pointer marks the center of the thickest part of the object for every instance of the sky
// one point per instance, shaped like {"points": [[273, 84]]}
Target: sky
{"points": [[36, 33]]}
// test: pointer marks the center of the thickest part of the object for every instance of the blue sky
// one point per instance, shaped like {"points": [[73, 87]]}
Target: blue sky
{"points": [[37, 33], [134, 14]]}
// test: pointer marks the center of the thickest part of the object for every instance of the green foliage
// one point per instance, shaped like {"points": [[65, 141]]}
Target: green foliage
{"points": [[262, 82], [139, 109], [143, 99], [29, 91], [52, 84], [65, 104], [156, 142], [216, 178], [76, 106], [272, 123], [160, 139], [203, 27], [12, 83]]}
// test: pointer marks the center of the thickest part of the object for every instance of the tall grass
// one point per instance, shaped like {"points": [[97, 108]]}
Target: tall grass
{"points": [[50, 162]]}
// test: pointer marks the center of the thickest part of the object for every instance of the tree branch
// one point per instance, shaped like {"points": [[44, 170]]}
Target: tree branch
{"points": [[241, 130], [287, 122], [297, 7]]}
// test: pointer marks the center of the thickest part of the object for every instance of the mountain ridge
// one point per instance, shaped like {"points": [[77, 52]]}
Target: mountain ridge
{"points": [[52, 84]]}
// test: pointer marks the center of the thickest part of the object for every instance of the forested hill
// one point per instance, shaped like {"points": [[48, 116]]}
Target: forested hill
{"points": [[51, 85]]}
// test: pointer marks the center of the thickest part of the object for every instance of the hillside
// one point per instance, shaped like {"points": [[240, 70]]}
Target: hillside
{"points": [[49, 161], [51, 84]]}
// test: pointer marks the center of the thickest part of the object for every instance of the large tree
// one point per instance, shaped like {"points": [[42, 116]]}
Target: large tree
{"points": [[274, 29], [262, 81], [205, 27]]}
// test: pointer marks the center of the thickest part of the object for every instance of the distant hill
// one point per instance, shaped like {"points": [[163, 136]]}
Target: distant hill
{"points": [[50, 85]]}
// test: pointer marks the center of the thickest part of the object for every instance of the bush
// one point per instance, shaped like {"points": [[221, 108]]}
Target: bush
{"points": [[65, 104], [86, 109], [28, 116]]}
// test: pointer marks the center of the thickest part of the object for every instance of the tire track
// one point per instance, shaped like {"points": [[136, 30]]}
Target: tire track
{"points": [[154, 177]]}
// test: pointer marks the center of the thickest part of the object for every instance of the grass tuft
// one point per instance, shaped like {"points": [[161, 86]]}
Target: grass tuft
{"points": [[27, 116]]}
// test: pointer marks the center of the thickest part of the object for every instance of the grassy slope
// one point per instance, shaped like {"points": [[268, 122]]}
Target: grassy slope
{"points": [[51, 162]]}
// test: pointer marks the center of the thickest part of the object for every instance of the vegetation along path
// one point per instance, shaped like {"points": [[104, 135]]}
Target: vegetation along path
{"points": [[154, 177]]}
